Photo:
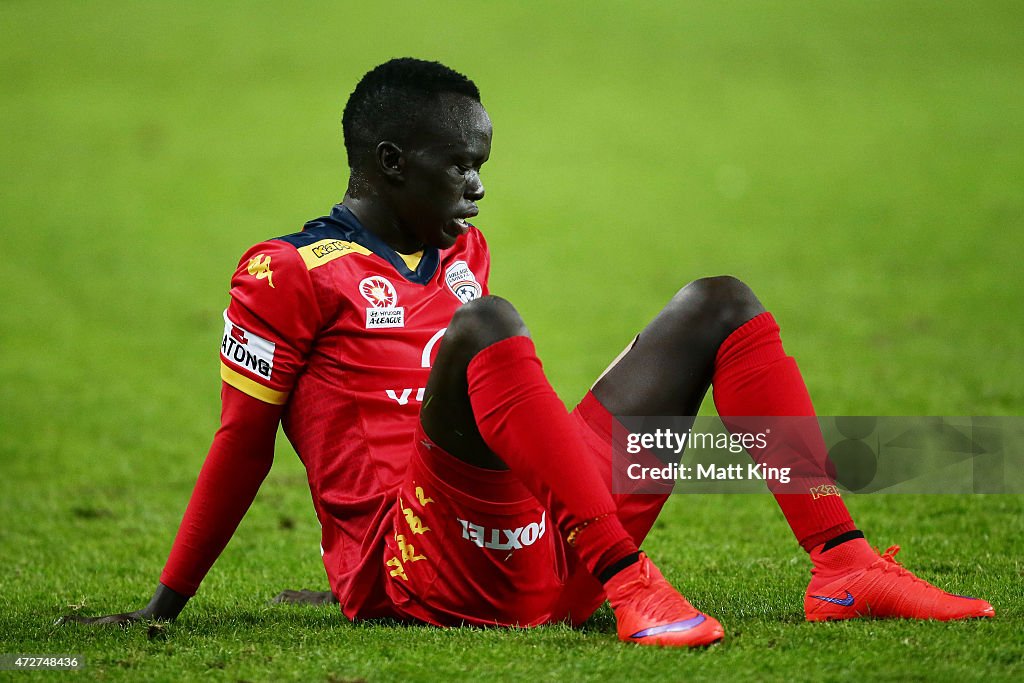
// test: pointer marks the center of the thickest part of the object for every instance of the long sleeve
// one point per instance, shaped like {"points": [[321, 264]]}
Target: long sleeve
{"points": [[235, 467]]}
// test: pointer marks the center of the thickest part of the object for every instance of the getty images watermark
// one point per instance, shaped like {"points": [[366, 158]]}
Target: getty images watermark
{"points": [[818, 455]]}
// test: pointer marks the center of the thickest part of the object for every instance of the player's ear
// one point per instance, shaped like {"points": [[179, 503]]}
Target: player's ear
{"points": [[390, 160]]}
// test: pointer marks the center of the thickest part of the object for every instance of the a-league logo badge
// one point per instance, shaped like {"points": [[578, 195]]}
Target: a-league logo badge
{"points": [[461, 280], [382, 297], [378, 291]]}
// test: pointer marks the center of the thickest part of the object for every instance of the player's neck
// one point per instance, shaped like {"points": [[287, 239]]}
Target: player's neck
{"points": [[379, 220]]}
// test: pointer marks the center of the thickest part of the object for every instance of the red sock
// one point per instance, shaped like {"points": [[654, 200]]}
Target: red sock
{"points": [[525, 423], [754, 377]]}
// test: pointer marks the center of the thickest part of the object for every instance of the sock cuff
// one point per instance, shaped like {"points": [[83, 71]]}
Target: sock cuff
{"points": [[833, 511], [615, 567], [842, 538], [755, 342], [601, 542]]}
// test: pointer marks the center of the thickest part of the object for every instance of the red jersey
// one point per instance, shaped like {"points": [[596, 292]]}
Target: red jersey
{"points": [[334, 325]]}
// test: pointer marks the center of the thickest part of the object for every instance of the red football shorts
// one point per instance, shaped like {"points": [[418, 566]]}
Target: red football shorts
{"points": [[473, 546]]}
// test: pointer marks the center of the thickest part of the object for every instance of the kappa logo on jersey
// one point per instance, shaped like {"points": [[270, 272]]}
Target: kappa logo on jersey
{"points": [[259, 268], [504, 539], [325, 247], [382, 297], [327, 250], [461, 280], [246, 350]]}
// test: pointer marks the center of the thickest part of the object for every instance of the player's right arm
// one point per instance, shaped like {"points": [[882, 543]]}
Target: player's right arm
{"points": [[269, 329]]}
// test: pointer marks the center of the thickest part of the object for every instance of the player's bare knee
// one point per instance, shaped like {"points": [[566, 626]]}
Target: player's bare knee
{"points": [[721, 303], [483, 322]]}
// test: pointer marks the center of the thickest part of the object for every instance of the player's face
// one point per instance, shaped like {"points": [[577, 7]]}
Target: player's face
{"points": [[441, 178]]}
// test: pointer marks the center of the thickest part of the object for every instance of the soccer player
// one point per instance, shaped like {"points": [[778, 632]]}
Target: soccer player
{"points": [[451, 484]]}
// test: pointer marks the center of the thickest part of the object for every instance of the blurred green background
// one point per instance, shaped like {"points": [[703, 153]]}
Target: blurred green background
{"points": [[859, 164]]}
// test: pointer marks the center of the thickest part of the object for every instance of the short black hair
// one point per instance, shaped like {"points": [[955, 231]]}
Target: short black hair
{"points": [[387, 100]]}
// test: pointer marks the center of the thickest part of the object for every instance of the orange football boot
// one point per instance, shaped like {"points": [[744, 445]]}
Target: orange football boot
{"points": [[649, 611], [885, 590]]}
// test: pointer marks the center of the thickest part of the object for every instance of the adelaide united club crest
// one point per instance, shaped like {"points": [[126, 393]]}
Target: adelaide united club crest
{"points": [[383, 311], [462, 282]]}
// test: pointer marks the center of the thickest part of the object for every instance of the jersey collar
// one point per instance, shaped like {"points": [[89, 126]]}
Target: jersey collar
{"points": [[345, 222]]}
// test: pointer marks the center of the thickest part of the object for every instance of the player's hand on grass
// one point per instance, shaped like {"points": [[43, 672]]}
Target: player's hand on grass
{"points": [[305, 597], [165, 605], [120, 619]]}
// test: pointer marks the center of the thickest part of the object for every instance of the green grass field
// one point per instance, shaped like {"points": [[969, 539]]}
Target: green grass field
{"points": [[858, 163]]}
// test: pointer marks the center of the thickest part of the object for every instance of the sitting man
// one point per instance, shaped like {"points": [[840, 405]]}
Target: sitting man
{"points": [[451, 484]]}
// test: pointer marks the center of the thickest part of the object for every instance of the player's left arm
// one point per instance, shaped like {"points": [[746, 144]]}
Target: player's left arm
{"points": [[239, 459], [268, 330]]}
